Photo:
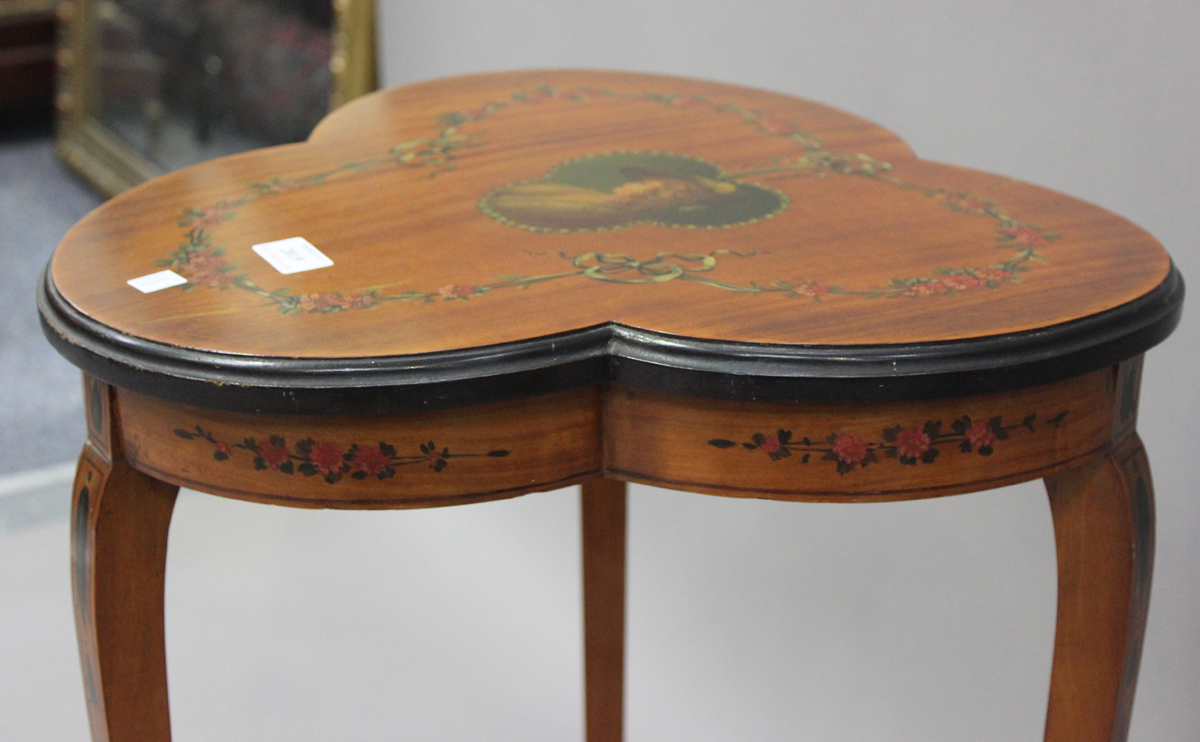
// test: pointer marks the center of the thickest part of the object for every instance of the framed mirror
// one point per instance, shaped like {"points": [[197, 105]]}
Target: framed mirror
{"points": [[150, 86]]}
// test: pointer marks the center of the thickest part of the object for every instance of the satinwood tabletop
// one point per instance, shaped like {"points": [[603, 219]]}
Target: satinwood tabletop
{"points": [[540, 230]]}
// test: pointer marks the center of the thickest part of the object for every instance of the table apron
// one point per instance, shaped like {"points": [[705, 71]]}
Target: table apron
{"points": [[814, 452], [410, 460]]}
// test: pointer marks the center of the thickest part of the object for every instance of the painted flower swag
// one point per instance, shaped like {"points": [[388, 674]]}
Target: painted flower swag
{"points": [[329, 459], [203, 262], [908, 445]]}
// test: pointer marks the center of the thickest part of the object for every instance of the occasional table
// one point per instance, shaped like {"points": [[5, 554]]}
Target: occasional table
{"points": [[475, 288]]}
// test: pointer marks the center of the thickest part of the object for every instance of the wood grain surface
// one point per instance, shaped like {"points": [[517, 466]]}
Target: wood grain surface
{"points": [[415, 460], [1104, 534], [815, 452], [603, 509], [848, 453], [488, 209], [119, 524]]}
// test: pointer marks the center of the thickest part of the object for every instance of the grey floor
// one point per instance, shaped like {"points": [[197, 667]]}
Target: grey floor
{"points": [[39, 391], [42, 430]]}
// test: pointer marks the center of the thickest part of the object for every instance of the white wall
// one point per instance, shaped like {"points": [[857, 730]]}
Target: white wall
{"points": [[915, 621]]}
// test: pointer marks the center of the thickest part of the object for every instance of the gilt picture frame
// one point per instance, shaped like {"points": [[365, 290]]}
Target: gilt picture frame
{"points": [[146, 87]]}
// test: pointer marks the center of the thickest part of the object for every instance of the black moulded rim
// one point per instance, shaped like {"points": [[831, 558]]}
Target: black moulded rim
{"points": [[610, 352]]}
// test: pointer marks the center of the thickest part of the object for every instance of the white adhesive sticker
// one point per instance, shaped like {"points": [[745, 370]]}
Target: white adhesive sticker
{"points": [[157, 281], [293, 255]]}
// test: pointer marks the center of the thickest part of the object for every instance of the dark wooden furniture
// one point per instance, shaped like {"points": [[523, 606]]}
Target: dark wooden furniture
{"points": [[550, 278], [26, 53]]}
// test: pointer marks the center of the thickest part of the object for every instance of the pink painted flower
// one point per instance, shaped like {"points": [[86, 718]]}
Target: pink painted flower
{"points": [[274, 456], [809, 288], [770, 445], [327, 457], [993, 274], [850, 449], [457, 291], [1026, 236], [926, 288], [204, 268], [961, 282], [311, 302], [324, 300], [363, 301], [911, 443], [224, 448], [775, 126], [371, 459], [979, 435]]}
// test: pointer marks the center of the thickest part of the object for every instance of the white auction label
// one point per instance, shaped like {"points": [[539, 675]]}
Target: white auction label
{"points": [[293, 255], [157, 281]]}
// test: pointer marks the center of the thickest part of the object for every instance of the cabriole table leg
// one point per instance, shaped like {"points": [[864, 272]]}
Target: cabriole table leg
{"points": [[119, 528], [603, 508], [1104, 533]]}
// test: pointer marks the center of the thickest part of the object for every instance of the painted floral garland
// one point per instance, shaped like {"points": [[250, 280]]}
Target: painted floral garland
{"points": [[204, 263], [906, 444], [329, 459]]}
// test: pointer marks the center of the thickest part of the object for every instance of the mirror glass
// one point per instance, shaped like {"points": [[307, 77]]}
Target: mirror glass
{"points": [[182, 81]]}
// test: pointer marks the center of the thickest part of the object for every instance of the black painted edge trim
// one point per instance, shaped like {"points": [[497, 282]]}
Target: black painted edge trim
{"points": [[611, 352]]}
